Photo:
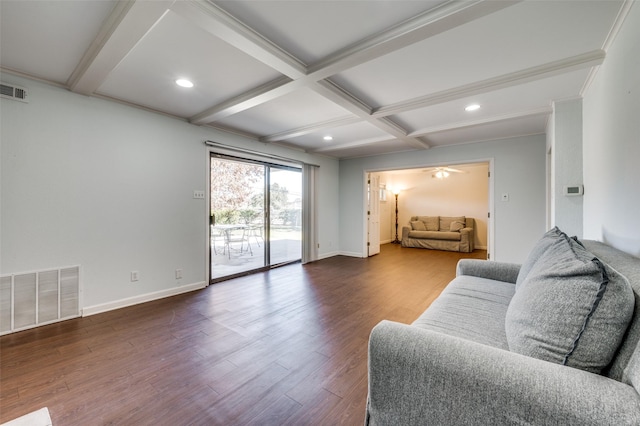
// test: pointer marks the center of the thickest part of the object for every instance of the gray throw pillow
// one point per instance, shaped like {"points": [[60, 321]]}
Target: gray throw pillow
{"points": [[541, 246], [571, 309], [418, 225]]}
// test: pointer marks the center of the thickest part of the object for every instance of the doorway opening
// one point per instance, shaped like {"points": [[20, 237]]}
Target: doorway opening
{"points": [[255, 216], [460, 189]]}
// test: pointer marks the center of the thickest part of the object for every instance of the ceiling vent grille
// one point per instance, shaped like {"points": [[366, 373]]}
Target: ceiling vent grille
{"points": [[11, 91]]}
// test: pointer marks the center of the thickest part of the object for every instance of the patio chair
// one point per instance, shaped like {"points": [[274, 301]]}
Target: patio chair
{"points": [[237, 235]]}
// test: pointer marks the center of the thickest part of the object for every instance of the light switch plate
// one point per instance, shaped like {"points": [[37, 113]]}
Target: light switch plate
{"points": [[198, 194]]}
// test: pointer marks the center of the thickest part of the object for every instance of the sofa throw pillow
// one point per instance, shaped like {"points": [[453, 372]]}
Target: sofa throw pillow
{"points": [[538, 249], [418, 225], [445, 222], [431, 222], [572, 309], [456, 226]]}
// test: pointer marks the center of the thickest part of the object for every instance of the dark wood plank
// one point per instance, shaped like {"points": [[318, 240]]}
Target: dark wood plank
{"points": [[287, 346]]}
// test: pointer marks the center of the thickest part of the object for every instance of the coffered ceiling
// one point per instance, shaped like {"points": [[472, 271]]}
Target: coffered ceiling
{"points": [[377, 76]]}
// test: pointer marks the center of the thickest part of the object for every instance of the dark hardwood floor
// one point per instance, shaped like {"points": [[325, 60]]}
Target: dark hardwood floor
{"points": [[284, 347]]}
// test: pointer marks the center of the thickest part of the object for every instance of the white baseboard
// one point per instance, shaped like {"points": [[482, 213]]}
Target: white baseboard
{"points": [[327, 255], [130, 301], [351, 254]]}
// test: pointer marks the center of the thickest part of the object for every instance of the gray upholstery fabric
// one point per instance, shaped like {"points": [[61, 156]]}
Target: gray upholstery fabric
{"points": [[626, 365], [541, 246], [422, 377], [501, 271], [418, 376], [570, 309], [472, 308]]}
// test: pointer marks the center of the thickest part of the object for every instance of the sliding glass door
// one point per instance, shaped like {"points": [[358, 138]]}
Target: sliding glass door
{"points": [[255, 215], [285, 218]]}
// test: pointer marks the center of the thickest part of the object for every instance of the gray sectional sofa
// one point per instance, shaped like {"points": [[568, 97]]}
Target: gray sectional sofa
{"points": [[451, 233], [553, 341]]}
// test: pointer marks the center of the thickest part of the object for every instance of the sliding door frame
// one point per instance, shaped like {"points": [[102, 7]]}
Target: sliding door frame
{"points": [[268, 164]]}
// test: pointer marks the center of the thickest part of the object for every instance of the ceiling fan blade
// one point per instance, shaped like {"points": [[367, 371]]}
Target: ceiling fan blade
{"points": [[442, 169], [452, 170]]}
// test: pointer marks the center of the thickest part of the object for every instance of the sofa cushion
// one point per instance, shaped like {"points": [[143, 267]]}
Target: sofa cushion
{"points": [[445, 222], [541, 246], [472, 308], [456, 226], [436, 235], [432, 223], [571, 309], [418, 225]]}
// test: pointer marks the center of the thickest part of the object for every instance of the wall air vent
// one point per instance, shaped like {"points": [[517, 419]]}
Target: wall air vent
{"points": [[37, 298], [14, 92]]}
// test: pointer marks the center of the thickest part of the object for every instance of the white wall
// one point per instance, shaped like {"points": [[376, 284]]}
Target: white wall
{"points": [[92, 182], [460, 194], [519, 170], [612, 143], [566, 165]]}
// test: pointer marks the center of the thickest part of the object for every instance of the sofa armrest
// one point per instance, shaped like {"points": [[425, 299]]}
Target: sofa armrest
{"points": [[405, 233], [500, 271], [418, 376], [467, 242]]}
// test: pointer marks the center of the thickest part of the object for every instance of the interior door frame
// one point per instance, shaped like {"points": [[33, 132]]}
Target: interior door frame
{"points": [[373, 214], [491, 201]]}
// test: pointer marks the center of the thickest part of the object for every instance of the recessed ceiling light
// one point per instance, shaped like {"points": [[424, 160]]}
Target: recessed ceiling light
{"points": [[472, 107], [328, 138], [182, 82]]}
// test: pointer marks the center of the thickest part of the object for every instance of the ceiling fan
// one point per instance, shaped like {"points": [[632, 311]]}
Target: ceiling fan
{"points": [[442, 172]]}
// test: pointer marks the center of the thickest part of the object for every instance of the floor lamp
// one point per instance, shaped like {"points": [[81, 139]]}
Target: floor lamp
{"points": [[396, 192]]}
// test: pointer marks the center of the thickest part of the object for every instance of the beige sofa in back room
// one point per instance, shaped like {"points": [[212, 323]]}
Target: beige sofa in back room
{"points": [[451, 233]]}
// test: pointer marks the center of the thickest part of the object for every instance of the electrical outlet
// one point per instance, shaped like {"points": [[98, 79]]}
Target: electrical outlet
{"points": [[135, 276], [178, 274], [198, 195]]}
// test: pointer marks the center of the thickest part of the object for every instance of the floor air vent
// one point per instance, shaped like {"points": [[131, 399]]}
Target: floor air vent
{"points": [[11, 91], [37, 298]]}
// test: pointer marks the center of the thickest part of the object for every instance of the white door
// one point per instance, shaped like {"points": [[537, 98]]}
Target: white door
{"points": [[373, 226]]}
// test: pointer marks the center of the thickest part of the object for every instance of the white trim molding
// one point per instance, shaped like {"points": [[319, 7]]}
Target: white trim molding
{"points": [[142, 298]]}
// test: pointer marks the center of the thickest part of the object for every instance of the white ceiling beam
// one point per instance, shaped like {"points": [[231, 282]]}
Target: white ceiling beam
{"points": [[337, 95], [550, 69], [355, 144], [489, 120], [127, 24], [425, 25], [305, 130], [221, 24], [259, 95]]}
